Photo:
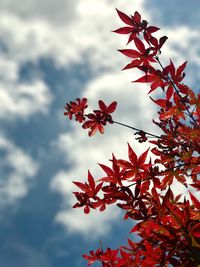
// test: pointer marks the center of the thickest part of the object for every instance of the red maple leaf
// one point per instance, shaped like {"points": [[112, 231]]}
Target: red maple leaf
{"points": [[136, 167]]}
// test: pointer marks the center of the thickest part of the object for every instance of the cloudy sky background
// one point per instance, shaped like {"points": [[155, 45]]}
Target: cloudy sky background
{"points": [[52, 52]]}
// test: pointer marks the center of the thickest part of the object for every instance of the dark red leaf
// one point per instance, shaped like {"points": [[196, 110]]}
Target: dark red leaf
{"points": [[142, 157], [98, 187], [91, 181], [101, 128], [162, 40], [170, 91], [126, 19], [124, 30], [82, 186], [139, 44], [106, 169], [135, 63], [154, 41], [181, 68], [131, 154], [103, 206], [145, 79], [111, 108], [195, 201], [86, 210], [152, 29], [102, 105], [137, 17], [183, 88], [130, 53]]}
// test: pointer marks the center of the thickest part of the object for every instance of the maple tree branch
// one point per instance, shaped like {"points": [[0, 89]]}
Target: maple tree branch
{"points": [[160, 173], [136, 129], [149, 178], [173, 85], [168, 227]]}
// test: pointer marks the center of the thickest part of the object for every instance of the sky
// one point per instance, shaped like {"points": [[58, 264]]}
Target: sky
{"points": [[52, 52]]}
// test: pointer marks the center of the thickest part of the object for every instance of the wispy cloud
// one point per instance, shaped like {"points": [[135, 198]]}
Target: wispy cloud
{"points": [[16, 169], [21, 100]]}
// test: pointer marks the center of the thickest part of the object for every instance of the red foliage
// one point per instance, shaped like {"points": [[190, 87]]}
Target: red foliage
{"points": [[94, 121], [168, 225]]}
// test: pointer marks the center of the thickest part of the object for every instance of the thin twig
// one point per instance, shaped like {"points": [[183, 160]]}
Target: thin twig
{"points": [[135, 129]]}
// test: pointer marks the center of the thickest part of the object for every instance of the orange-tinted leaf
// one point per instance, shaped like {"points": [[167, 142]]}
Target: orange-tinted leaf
{"points": [[92, 131], [164, 103], [137, 17], [101, 128]]}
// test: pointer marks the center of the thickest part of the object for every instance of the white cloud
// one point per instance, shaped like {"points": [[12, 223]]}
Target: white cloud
{"points": [[16, 169], [49, 10], [84, 31], [23, 99], [74, 220], [20, 99], [8, 69], [97, 223], [180, 41]]}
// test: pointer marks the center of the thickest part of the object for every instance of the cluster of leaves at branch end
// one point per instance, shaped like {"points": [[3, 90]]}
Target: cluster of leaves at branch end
{"points": [[95, 121]]}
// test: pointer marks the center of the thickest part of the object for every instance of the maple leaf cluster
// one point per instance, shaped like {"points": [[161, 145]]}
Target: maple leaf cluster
{"points": [[93, 121], [168, 225]]}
